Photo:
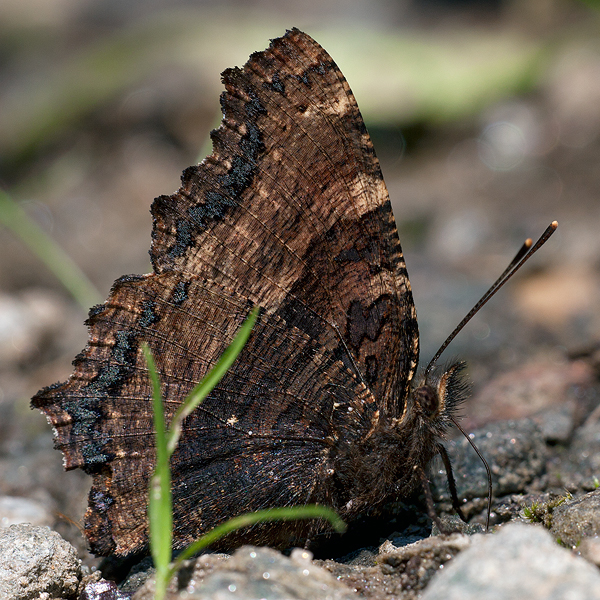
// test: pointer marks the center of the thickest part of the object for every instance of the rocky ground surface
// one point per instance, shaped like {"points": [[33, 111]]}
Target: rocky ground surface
{"points": [[545, 528]]}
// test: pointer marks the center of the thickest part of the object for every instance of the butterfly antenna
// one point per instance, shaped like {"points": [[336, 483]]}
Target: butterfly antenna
{"points": [[526, 251]]}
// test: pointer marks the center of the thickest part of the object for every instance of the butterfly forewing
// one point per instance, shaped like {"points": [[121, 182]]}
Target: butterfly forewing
{"points": [[292, 212]]}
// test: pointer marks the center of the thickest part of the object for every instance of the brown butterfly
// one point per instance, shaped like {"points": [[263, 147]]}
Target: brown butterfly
{"points": [[291, 213]]}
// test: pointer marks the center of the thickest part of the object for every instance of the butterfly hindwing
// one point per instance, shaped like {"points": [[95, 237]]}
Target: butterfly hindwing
{"points": [[264, 423]]}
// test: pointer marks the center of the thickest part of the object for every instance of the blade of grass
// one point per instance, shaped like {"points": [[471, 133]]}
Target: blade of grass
{"points": [[160, 504], [160, 509], [310, 511], [48, 251]]}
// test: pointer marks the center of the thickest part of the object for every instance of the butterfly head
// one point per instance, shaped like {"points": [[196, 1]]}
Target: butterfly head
{"points": [[436, 395]]}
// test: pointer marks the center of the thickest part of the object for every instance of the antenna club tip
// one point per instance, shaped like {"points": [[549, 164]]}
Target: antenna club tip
{"points": [[528, 243], [554, 224]]}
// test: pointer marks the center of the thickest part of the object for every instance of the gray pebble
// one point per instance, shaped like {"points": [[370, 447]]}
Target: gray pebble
{"points": [[515, 451], [521, 562], [263, 573], [576, 519], [103, 590], [36, 561]]}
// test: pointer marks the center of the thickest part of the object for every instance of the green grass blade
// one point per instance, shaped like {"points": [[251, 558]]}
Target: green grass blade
{"points": [[311, 511], [211, 379], [49, 252], [160, 513], [160, 505]]}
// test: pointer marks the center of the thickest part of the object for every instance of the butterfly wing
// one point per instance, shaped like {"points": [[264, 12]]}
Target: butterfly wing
{"points": [[289, 212], [260, 439]]}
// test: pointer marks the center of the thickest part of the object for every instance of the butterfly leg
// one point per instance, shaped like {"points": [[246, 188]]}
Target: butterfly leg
{"points": [[451, 482], [429, 500]]}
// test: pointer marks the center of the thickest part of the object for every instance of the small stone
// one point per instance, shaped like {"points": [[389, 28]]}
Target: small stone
{"points": [[521, 562], [260, 573], [576, 519], [103, 590], [35, 561]]}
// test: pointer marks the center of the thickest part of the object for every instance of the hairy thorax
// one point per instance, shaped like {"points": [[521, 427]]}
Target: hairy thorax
{"points": [[390, 461]]}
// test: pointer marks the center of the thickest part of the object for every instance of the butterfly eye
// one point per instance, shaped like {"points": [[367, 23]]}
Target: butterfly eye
{"points": [[426, 398]]}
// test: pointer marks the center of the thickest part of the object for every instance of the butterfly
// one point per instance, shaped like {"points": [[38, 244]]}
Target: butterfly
{"points": [[323, 405]]}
